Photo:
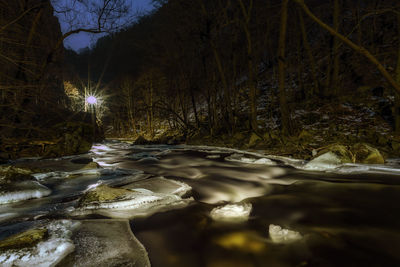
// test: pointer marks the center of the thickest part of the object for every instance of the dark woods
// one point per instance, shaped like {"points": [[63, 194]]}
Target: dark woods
{"points": [[219, 67], [209, 70]]}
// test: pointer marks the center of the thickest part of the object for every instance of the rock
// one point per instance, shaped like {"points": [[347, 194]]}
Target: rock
{"points": [[91, 165], [28, 238], [104, 193], [329, 158], [366, 154], [10, 174], [254, 140], [340, 151]]}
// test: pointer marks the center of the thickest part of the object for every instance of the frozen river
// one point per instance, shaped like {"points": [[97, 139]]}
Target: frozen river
{"points": [[205, 206]]}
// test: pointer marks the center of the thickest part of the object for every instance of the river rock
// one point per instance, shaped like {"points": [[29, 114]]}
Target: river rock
{"points": [[28, 238], [366, 154], [104, 193]]}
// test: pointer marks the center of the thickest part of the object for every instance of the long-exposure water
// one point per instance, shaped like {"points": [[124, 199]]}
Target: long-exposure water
{"points": [[243, 209]]}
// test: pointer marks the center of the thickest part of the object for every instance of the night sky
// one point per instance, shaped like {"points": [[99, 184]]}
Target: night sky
{"points": [[82, 40]]}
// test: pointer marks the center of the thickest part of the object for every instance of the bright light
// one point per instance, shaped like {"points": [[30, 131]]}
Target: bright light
{"points": [[91, 100]]}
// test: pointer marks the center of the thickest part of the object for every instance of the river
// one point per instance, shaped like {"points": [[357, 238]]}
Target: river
{"points": [[243, 209]]}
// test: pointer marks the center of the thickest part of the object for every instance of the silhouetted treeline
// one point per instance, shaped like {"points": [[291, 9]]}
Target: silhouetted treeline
{"points": [[222, 65]]}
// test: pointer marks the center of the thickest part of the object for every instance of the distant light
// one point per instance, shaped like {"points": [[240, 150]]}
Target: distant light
{"points": [[91, 100]]}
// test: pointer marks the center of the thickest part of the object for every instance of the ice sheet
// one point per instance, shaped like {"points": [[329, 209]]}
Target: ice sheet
{"points": [[161, 185], [106, 243]]}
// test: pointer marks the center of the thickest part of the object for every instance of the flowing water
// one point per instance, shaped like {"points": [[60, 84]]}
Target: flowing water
{"points": [[283, 215]]}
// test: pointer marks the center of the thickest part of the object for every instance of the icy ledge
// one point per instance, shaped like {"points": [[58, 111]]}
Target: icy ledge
{"points": [[23, 191], [121, 203], [46, 253], [239, 212]]}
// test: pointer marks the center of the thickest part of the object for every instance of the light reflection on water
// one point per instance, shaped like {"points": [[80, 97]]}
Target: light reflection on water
{"points": [[343, 219]]}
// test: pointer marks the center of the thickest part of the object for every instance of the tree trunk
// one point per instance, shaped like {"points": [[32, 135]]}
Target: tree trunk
{"points": [[310, 56], [396, 111], [285, 115], [335, 52]]}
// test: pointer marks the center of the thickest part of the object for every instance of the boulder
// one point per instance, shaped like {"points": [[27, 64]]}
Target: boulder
{"points": [[104, 193], [366, 154]]}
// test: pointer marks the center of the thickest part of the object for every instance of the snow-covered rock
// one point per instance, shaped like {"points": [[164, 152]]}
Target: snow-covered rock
{"points": [[126, 203]]}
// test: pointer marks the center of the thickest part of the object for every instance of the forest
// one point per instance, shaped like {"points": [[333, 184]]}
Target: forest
{"points": [[285, 76]]}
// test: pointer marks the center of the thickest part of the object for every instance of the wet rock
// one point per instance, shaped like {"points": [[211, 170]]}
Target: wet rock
{"points": [[104, 193], [364, 153], [28, 238], [9, 174], [91, 165]]}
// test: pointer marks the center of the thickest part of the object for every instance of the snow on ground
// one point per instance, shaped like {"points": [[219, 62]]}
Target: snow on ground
{"points": [[280, 235], [45, 253], [238, 212]]}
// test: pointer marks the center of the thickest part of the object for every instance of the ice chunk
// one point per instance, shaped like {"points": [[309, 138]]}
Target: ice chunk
{"points": [[46, 253], [281, 236], [161, 185], [232, 212], [241, 158], [22, 191]]}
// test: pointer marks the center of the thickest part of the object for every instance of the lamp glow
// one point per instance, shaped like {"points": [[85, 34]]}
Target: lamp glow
{"points": [[91, 100]]}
